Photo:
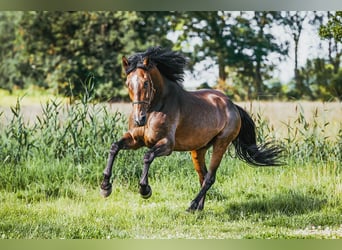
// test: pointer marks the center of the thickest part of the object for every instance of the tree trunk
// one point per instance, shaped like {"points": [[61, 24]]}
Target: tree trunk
{"points": [[222, 72], [336, 61], [296, 71], [258, 79]]}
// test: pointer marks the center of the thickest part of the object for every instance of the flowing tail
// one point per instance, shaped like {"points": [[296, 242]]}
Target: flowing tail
{"points": [[246, 148]]}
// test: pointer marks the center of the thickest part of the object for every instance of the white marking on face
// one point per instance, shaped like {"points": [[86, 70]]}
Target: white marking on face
{"points": [[135, 89], [135, 83]]}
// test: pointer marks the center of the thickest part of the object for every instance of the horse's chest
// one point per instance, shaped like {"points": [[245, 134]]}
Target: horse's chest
{"points": [[157, 128]]}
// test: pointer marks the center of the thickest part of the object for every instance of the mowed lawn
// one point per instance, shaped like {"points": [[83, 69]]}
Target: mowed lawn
{"points": [[301, 199]]}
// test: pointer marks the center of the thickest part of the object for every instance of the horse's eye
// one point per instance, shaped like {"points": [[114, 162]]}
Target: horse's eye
{"points": [[145, 84]]}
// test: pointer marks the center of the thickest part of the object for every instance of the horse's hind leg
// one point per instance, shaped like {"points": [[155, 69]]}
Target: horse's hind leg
{"points": [[198, 158], [219, 148]]}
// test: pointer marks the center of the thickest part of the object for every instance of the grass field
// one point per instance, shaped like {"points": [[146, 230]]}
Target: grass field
{"points": [[51, 167]]}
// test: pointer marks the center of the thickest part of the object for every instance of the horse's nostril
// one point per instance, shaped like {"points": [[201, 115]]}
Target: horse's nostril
{"points": [[143, 119], [140, 121]]}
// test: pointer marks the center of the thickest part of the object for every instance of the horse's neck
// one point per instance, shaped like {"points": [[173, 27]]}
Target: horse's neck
{"points": [[165, 89], [172, 89]]}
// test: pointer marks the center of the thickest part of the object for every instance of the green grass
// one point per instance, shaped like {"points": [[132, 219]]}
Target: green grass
{"points": [[245, 202], [51, 169]]}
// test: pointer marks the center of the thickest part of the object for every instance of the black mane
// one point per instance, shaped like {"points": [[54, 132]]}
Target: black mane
{"points": [[171, 64]]}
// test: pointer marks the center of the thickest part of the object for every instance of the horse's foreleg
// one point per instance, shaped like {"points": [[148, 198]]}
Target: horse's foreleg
{"points": [[126, 142], [106, 185], [162, 148], [145, 189]]}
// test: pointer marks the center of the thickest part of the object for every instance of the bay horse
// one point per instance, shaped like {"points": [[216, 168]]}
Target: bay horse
{"points": [[166, 118]]}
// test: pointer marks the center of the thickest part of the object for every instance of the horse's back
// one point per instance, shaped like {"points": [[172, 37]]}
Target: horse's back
{"points": [[204, 114]]}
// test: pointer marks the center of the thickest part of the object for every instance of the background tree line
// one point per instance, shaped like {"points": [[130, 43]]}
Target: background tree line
{"points": [[59, 50]]}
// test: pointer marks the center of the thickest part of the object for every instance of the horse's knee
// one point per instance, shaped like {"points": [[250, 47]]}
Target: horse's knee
{"points": [[148, 157], [114, 148]]}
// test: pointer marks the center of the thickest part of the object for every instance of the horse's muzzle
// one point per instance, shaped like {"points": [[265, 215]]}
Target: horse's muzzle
{"points": [[140, 121]]}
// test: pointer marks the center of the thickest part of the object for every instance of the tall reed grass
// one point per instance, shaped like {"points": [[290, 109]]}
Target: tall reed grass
{"points": [[307, 137], [66, 143]]}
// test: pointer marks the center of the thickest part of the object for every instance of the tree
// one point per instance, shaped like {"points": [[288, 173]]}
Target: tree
{"points": [[332, 31], [63, 48], [320, 81], [59, 50], [294, 20], [333, 28], [151, 28], [238, 40], [9, 47], [213, 31], [261, 44]]}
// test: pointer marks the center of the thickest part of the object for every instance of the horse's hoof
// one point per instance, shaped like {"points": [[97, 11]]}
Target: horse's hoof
{"points": [[195, 206], [106, 192], [148, 192]]}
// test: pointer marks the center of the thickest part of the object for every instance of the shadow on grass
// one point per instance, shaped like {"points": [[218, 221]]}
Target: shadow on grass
{"points": [[289, 204]]}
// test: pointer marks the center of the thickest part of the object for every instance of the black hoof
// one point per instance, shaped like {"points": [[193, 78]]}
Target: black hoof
{"points": [[195, 206], [146, 192], [106, 191]]}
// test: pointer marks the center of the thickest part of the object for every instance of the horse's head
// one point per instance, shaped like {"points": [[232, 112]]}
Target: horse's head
{"points": [[141, 90]]}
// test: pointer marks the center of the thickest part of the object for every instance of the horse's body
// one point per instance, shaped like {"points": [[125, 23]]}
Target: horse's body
{"points": [[167, 118]]}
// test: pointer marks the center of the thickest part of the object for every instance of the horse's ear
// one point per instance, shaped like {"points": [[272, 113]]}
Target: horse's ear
{"points": [[125, 63], [146, 61]]}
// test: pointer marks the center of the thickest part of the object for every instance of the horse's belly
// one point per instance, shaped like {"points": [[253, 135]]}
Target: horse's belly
{"points": [[193, 140]]}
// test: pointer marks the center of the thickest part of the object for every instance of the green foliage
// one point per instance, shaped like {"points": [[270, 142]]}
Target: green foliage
{"points": [[308, 140], [318, 81], [333, 28], [239, 41], [76, 132], [57, 50], [9, 47], [64, 47]]}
